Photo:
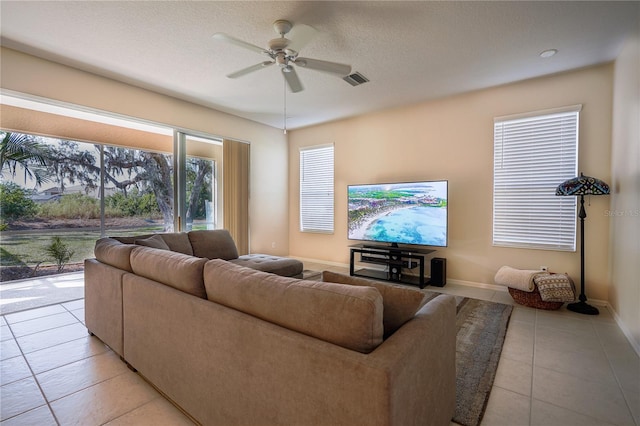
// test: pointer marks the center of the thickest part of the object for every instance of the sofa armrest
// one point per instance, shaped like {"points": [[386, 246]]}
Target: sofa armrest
{"points": [[103, 303], [421, 360]]}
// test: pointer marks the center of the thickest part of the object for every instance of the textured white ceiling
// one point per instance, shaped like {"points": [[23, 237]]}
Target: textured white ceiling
{"points": [[410, 51]]}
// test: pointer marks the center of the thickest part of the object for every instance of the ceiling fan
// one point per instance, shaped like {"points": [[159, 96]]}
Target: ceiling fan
{"points": [[284, 52]]}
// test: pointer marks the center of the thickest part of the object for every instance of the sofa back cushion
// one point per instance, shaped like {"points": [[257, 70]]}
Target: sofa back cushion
{"points": [[178, 242], [114, 253], [177, 270], [344, 315], [400, 304], [213, 244], [175, 241], [154, 241], [130, 239]]}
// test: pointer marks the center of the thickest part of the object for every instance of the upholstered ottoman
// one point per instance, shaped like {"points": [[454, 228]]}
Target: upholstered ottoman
{"points": [[283, 266]]}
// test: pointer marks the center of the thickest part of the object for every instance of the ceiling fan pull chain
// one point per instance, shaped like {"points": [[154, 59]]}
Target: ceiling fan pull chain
{"points": [[284, 95]]}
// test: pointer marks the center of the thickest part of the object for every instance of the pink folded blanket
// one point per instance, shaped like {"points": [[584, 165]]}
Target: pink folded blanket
{"points": [[521, 279]]}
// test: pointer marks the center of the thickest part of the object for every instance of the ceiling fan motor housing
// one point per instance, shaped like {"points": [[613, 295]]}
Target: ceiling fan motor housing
{"points": [[278, 44]]}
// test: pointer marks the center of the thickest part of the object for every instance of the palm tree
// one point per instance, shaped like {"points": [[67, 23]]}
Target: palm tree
{"points": [[18, 150]]}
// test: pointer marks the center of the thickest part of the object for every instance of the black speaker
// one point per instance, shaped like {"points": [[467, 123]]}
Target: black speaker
{"points": [[438, 272], [395, 273]]}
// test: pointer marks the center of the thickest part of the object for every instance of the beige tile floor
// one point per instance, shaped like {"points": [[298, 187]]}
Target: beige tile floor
{"points": [[557, 368], [53, 372]]}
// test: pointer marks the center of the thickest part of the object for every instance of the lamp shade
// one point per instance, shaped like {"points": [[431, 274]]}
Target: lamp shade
{"points": [[582, 185]]}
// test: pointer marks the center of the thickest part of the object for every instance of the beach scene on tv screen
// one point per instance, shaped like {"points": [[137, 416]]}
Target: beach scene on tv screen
{"points": [[405, 213]]}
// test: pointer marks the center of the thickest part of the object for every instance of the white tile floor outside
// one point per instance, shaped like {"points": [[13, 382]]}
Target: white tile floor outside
{"points": [[26, 294], [557, 368]]}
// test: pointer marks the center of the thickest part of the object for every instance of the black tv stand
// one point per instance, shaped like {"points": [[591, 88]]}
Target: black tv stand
{"points": [[394, 258]]}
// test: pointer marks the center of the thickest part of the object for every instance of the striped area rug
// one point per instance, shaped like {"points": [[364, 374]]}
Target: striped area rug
{"points": [[481, 328]]}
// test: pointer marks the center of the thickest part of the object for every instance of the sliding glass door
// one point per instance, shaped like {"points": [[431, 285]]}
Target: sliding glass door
{"points": [[100, 175], [196, 164], [53, 188]]}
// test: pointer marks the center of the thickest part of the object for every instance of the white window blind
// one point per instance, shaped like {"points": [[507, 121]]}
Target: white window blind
{"points": [[316, 189], [533, 154]]}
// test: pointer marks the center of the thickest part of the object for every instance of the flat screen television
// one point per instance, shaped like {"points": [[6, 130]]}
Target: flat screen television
{"points": [[399, 213]]}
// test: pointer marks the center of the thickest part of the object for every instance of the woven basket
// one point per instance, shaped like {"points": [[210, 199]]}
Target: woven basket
{"points": [[533, 299]]}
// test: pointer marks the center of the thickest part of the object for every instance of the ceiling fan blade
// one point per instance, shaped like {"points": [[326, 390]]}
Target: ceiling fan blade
{"points": [[292, 79], [300, 36], [325, 66], [237, 42], [250, 69]]}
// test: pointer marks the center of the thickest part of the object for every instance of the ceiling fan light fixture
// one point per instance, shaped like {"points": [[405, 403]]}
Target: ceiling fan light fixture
{"points": [[281, 59]]}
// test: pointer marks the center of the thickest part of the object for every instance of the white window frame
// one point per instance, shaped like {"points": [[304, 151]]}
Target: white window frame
{"points": [[317, 189], [533, 154]]}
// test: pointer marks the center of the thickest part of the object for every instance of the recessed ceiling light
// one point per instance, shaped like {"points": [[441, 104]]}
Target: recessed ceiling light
{"points": [[548, 53]]}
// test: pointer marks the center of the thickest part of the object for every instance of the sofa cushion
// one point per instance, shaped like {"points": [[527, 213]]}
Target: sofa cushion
{"points": [[114, 253], [177, 270], [154, 241], [276, 265], [400, 304], [131, 239], [213, 244], [178, 242], [347, 316], [175, 241]]}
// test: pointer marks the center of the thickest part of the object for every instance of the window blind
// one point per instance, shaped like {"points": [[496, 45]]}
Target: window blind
{"points": [[533, 154], [316, 189]]}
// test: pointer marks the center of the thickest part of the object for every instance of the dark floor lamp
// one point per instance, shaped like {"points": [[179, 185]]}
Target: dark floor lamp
{"points": [[582, 185]]}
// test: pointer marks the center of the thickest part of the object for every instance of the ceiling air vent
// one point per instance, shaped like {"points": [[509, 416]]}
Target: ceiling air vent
{"points": [[355, 79]]}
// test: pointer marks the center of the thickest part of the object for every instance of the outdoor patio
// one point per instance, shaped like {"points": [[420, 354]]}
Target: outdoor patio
{"points": [[32, 293]]}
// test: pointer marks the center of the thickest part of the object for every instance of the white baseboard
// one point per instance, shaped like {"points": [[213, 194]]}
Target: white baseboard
{"points": [[627, 333], [475, 284], [324, 262]]}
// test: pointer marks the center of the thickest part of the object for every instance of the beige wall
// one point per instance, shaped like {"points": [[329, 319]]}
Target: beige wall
{"points": [[268, 208], [452, 139], [625, 199], [53, 125]]}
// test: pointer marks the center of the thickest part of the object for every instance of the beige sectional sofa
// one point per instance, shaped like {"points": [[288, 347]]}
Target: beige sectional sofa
{"points": [[234, 345], [216, 244]]}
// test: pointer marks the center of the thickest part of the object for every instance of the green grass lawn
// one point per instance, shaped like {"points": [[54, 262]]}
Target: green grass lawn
{"points": [[20, 248], [27, 248]]}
